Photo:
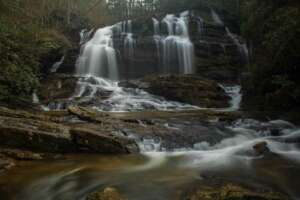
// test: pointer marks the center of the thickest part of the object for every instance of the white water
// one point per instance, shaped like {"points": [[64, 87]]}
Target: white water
{"points": [[235, 150], [122, 99], [243, 49], [118, 99], [234, 92], [217, 19], [35, 98], [129, 41], [98, 56], [177, 48], [85, 35], [56, 65]]}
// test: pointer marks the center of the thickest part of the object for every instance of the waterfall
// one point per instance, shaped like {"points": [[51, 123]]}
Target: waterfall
{"points": [[85, 35], [56, 65], [177, 48], [201, 27], [243, 49], [156, 27], [129, 41], [216, 17], [98, 57]]}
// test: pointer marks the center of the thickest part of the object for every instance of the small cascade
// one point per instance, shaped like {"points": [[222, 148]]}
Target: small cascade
{"points": [[243, 49], [201, 28], [217, 19], [234, 92], [177, 48], [157, 38], [56, 65], [129, 41], [98, 56], [35, 98], [156, 27], [118, 99], [85, 35]]}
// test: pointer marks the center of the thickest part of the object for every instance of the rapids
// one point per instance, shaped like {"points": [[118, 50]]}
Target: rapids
{"points": [[157, 173], [161, 175]]}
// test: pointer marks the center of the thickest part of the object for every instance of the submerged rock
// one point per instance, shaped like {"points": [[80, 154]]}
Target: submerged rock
{"points": [[183, 88], [233, 192], [5, 163], [261, 148], [106, 194]]}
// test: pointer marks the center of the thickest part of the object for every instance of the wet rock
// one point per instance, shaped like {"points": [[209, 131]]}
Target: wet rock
{"points": [[5, 164], [261, 148], [107, 194], [35, 135], [21, 130], [183, 88], [231, 191], [19, 114], [91, 141], [87, 114], [21, 154], [57, 87]]}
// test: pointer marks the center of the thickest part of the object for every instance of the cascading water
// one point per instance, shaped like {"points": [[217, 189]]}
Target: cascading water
{"points": [[129, 41], [201, 28], [243, 49], [157, 37], [56, 65], [98, 56], [85, 35], [177, 48], [217, 19], [122, 99]]}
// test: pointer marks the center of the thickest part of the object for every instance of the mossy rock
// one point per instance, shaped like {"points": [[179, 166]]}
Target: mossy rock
{"points": [[233, 192], [107, 194]]}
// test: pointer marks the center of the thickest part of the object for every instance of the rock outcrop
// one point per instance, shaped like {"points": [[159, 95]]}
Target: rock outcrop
{"points": [[42, 134], [189, 89]]}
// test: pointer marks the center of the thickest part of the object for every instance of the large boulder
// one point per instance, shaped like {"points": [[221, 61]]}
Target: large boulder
{"points": [[42, 134], [183, 88], [261, 148]]}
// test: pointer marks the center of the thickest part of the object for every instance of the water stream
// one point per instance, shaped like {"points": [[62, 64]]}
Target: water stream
{"points": [[155, 173], [162, 175]]}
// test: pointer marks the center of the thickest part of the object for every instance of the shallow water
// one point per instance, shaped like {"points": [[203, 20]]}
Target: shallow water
{"points": [[165, 175]]}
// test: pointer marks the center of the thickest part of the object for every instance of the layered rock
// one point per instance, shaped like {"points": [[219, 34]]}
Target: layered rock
{"points": [[189, 89], [41, 134]]}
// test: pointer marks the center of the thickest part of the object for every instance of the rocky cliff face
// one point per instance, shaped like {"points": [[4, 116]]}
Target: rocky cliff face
{"points": [[217, 52], [185, 43]]}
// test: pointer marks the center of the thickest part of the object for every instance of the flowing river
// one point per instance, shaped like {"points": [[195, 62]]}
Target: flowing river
{"points": [[162, 175], [159, 173]]}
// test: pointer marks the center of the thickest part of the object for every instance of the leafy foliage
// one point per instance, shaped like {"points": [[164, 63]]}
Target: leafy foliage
{"points": [[273, 29]]}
